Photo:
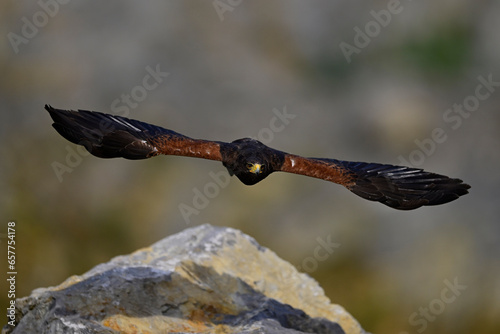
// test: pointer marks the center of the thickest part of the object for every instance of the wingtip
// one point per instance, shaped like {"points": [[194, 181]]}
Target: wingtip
{"points": [[404, 188]]}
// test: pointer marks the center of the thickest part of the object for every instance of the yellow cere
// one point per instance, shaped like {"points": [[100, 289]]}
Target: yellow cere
{"points": [[254, 168]]}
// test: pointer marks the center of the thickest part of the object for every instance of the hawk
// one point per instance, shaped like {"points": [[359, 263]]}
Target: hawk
{"points": [[111, 136]]}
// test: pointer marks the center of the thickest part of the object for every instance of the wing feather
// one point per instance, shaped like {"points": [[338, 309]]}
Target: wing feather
{"points": [[111, 136], [399, 187]]}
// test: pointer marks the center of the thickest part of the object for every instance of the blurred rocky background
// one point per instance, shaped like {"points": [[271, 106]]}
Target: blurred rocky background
{"points": [[383, 81]]}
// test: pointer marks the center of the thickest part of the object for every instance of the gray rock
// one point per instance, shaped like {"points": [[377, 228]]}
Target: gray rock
{"points": [[203, 280]]}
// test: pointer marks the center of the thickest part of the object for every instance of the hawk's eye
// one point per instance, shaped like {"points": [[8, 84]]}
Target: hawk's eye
{"points": [[249, 165]]}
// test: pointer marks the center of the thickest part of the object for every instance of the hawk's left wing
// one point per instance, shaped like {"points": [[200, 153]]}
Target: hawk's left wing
{"points": [[399, 187]]}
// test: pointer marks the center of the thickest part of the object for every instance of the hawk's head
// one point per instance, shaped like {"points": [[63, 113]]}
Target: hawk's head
{"points": [[250, 160]]}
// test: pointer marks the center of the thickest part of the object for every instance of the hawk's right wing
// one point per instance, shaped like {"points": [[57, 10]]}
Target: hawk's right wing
{"points": [[109, 136]]}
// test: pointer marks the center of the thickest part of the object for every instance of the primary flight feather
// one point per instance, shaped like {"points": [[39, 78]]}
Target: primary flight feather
{"points": [[110, 136]]}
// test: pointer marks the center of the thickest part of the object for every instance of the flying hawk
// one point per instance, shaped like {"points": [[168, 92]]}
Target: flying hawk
{"points": [[110, 136]]}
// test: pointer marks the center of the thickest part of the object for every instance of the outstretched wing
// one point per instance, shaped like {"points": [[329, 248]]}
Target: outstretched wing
{"points": [[399, 187], [109, 136]]}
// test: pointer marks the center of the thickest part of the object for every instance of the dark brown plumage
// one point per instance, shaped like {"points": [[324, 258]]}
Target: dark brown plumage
{"points": [[108, 136]]}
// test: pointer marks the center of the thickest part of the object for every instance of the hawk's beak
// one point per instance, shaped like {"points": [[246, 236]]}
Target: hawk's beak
{"points": [[255, 168]]}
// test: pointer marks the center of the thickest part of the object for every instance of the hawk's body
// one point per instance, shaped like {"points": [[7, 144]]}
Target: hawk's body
{"points": [[108, 136]]}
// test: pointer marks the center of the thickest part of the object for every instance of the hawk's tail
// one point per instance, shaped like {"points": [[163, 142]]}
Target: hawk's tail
{"points": [[402, 188], [103, 135]]}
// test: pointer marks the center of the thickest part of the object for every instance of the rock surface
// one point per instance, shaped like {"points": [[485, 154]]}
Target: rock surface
{"points": [[203, 280]]}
